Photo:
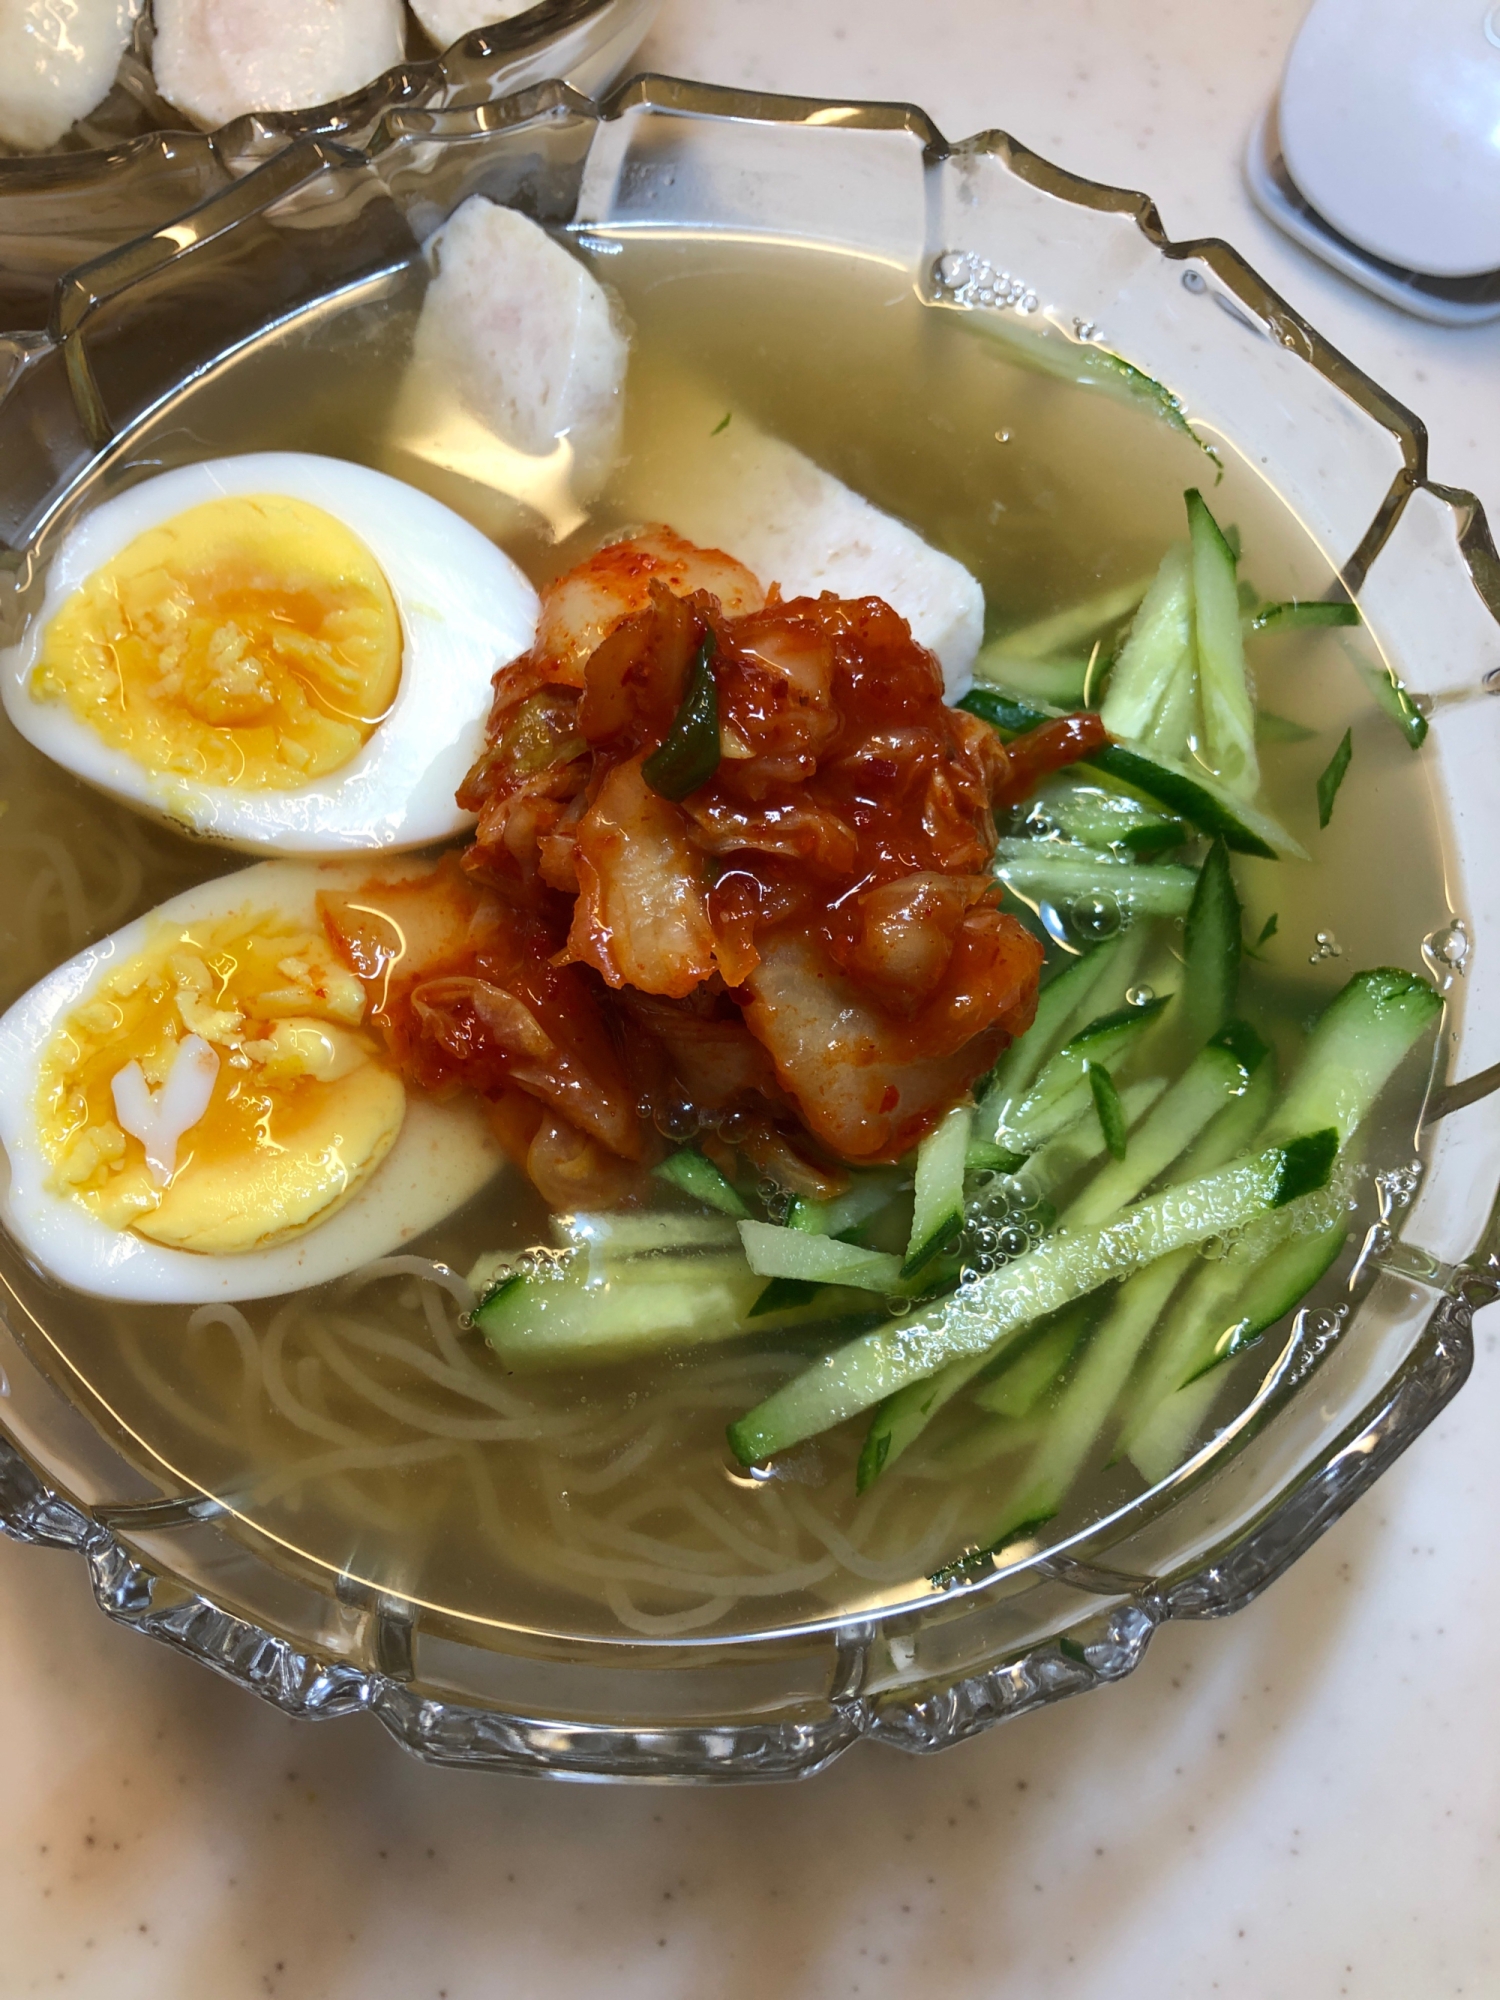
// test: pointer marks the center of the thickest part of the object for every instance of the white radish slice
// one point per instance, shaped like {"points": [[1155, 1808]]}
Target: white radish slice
{"points": [[56, 63], [217, 59]]}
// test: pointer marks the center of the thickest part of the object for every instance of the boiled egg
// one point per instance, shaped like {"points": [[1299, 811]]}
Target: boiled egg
{"points": [[198, 1109], [273, 651]]}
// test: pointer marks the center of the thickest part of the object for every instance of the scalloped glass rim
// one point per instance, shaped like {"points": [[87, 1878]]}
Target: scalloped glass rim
{"points": [[1049, 1622], [466, 72]]}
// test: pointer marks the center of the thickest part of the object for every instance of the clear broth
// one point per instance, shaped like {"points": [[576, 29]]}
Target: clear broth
{"points": [[607, 1502]]}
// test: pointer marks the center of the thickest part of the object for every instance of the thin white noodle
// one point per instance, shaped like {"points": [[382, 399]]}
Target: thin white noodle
{"points": [[911, 1562], [622, 1464], [357, 1458], [393, 1348], [171, 1399], [405, 1410], [664, 1624], [670, 1501], [281, 1396], [693, 1583], [70, 883], [411, 1267]]}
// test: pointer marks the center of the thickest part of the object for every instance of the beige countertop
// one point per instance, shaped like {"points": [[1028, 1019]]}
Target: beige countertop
{"points": [[1301, 1802]]}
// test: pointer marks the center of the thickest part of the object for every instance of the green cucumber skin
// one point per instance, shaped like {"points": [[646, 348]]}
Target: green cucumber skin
{"points": [[1228, 711], [1101, 1041], [784, 1295], [1107, 1110], [1161, 1435], [1062, 872], [1300, 615], [980, 1316], [1177, 791], [562, 1320], [818, 1259], [1060, 1001], [1016, 1388], [1213, 1078], [1213, 947], [938, 1204], [696, 1175], [1091, 1393], [1158, 651], [1361, 1037]]}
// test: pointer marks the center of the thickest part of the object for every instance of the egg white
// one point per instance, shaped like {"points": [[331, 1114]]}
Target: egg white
{"points": [[443, 1154], [465, 610]]}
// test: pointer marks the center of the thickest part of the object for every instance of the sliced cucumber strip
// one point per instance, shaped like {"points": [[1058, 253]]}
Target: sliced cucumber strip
{"points": [[1222, 1312], [1217, 1074], [1158, 654], [783, 1295], [1333, 777], [1099, 817], [1389, 694], [1015, 1388], [984, 1157], [1062, 682], [1209, 1307], [902, 1418], [985, 1313], [697, 1175], [563, 1316], [1059, 1005], [1271, 728], [1062, 630], [1211, 807], [1103, 1041], [1301, 615], [1190, 794], [1062, 872], [1363, 1034], [1223, 686], [614, 1236], [1235, 1129], [938, 1209], [1214, 946], [866, 1196], [773, 1252], [1086, 1402], [1108, 1110], [1081, 1142]]}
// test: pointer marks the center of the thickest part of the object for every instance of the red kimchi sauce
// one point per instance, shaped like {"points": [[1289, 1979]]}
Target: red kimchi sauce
{"points": [[803, 960]]}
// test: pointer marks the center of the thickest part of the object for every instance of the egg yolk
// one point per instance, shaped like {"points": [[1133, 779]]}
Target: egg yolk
{"points": [[303, 1106], [251, 642]]}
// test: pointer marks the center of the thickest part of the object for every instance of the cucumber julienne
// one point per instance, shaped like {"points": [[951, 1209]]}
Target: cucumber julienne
{"points": [[1066, 1266], [1187, 794]]}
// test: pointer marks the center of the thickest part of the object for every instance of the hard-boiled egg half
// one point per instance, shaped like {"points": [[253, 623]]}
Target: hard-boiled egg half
{"points": [[199, 1107], [274, 651]]}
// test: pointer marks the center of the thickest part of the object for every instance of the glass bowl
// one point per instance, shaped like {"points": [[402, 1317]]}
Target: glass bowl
{"points": [[326, 229], [131, 165]]}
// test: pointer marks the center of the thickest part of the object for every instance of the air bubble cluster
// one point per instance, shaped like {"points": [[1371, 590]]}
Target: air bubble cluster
{"points": [[1005, 1222], [971, 280]]}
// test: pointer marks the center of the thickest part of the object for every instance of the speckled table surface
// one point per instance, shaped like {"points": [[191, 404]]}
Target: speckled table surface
{"points": [[1304, 1801]]}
